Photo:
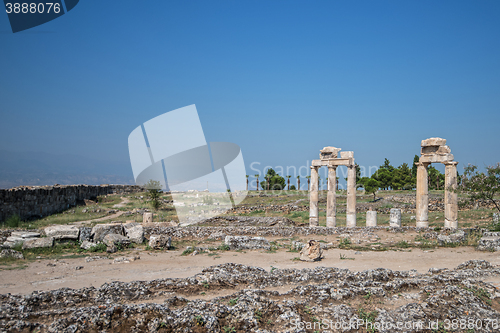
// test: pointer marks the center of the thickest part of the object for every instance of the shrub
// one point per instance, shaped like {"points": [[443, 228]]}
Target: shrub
{"points": [[14, 221]]}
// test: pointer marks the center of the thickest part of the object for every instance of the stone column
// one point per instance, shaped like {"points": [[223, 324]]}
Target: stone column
{"points": [[450, 196], [422, 196], [331, 209], [147, 218], [371, 218], [313, 198], [351, 197]]}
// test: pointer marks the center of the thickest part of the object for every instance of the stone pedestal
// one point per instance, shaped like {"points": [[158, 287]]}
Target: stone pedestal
{"points": [[313, 198], [371, 218], [450, 196], [422, 196], [351, 196], [496, 218], [395, 217], [331, 214], [147, 218]]}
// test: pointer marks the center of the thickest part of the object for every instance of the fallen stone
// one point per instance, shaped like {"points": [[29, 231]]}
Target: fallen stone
{"points": [[78, 267], [62, 232], [311, 252], [489, 242], [115, 239], [25, 234], [134, 232], [7, 253], [101, 230], [433, 142], [247, 243], [457, 237], [160, 242], [147, 218], [297, 246], [496, 217], [85, 234], [87, 245], [126, 260], [38, 242]]}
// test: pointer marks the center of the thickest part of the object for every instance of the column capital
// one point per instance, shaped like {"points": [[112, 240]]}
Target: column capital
{"points": [[425, 164], [334, 167], [314, 167], [450, 163]]}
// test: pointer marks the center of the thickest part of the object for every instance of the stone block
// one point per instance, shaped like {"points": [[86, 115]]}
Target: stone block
{"points": [[297, 246], [395, 217], [489, 242], [85, 234], [87, 245], [32, 243], [25, 234], [496, 218], [371, 218], [134, 232], [312, 251], [247, 243], [101, 230], [457, 237], [7, 253], [346, 154], [436, 158], [160, 242], [433, 142], [328, 153], [62, 232], [113, 241], [147, 218]]}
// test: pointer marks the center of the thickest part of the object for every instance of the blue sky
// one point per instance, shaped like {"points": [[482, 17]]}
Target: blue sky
{"points": [[282, 79]]}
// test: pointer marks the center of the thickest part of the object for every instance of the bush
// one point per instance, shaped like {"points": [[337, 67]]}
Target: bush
{"points": [[293, 187], [101, 247], [14, 221]]}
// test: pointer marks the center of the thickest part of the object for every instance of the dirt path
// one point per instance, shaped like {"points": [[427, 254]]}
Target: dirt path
{"points": [[51, 274], [105, 218]]}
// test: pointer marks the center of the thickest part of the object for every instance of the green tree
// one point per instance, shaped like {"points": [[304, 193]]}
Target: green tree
{"points": [[371, 186], [293, 187], [402, 179], [273, 181], [384, 175], [479, 185], [414, 167], [435, 178], [257, 177], [153, 188]]}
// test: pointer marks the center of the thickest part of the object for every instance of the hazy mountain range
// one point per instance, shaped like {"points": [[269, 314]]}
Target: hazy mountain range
{"points": [[35, 168]]}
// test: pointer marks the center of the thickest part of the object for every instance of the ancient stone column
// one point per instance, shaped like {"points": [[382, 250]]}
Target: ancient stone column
{"points": [[450, 196], [422, 196], [395, 217], [351, 196], [313, 198], [331, 209], [147, 217], [371, 218]]}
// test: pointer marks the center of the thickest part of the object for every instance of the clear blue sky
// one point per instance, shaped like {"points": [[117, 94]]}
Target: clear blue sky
{"points": [[282, 79]]}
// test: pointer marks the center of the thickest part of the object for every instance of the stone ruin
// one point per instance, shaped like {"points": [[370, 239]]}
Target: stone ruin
{"points": [[434, 150], [329, 158]]}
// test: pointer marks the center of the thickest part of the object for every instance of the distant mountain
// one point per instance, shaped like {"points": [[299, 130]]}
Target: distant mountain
{"points": [[35, 168]]}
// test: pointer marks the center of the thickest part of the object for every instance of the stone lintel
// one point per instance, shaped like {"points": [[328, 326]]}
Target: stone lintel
{"points": [[433, 142], [333, 162], [435, 158], [346, 154], [329, 152]]}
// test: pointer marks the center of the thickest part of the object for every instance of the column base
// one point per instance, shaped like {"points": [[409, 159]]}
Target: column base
{"points": [[351, 220], [422, 224], [331, 222], [450, 224], [313, 222]]}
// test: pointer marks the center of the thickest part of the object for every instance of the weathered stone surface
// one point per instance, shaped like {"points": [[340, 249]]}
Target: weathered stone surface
{"points": [[85, 234], [147, 218], [247, 243], [371, 218], [38, 242], [436, 158], [489, 242], [25, 234], [115, 239], [496, 218], [312, 251], [346, 154], [101, 230], [7, 253], [160, 242], [395, 217], [62, 231], [433, 142], [134, 232], [456, 237], [87, 245], [328, 153]]}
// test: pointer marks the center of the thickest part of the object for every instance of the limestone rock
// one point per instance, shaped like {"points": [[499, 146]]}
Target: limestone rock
{"points": [[312, 251], [395, 217], [160, 242], [328, 153], [456, 237], [346, 154], [87, 245], [496, 217], [62, 232], [297, 246], [115, 239], [38, 242], [101, 230], [8, 253], [134, 232], [489, 242], [85, 234], [147, 218], [247, 243], [25, 234], [433, 142]]}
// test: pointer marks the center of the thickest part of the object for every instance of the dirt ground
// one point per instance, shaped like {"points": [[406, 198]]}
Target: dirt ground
{"points": [[52, 274]]}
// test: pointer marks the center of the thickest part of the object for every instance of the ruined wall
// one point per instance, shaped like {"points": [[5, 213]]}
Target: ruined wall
{"points": [[37, 201]]}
